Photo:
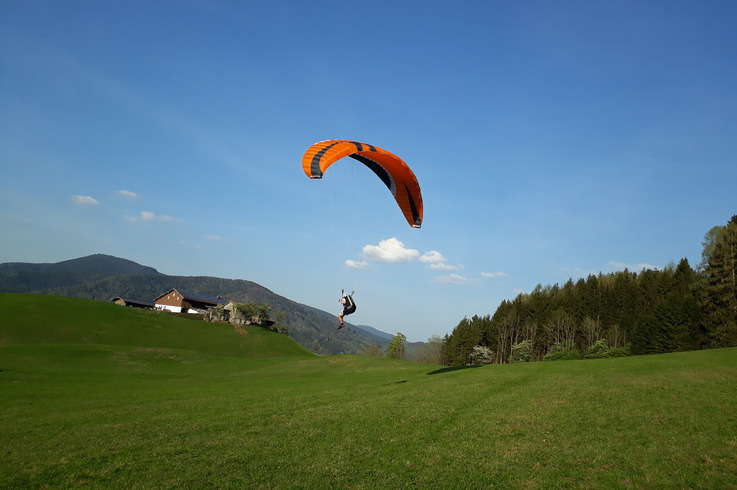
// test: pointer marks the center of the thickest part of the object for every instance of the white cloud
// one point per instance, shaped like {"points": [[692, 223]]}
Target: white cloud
{"points": [[443, 267], [355, 264], [148, 216], [577, 272], [128, 195], [432, 257], [85, 200], [215, 238], [631, 267], [437, 261], [453, 279], [494, 274], [391, 251], [611, 266]]}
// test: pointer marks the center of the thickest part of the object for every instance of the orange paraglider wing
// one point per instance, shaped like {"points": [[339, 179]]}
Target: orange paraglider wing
{"points": [[396, 175]]}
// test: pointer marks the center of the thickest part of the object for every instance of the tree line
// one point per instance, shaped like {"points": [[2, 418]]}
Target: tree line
{"points": [[623, 313]]}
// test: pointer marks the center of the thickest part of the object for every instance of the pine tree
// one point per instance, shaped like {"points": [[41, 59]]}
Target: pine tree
{"points": [[686, 289], [719, 289]]}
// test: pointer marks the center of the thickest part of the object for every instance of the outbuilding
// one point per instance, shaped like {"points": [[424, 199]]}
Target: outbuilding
{"points": [[133, 303], [180, 301]]}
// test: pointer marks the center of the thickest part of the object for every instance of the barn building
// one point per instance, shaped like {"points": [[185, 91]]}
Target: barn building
{"points": [[179, 301], [134, 303]]}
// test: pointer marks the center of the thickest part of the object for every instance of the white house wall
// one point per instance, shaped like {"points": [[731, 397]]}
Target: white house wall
{"points": [[176, 309]]}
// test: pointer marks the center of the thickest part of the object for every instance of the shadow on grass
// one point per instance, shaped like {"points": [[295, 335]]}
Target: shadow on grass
{"points": [[453, 368]]}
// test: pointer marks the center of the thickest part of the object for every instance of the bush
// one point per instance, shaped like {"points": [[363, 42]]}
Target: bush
{"points": [[521, 352], [256, 313], [620, 351], [599, 350], [481, 355], [562, 351]]}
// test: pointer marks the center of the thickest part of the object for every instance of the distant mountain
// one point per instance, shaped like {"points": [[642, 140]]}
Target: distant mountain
{"points": [[378, 333], [98, 265], [18, 277], [103, 277]]}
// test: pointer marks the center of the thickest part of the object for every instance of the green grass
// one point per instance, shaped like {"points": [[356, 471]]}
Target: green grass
{"points": [[30, 318], [137, 416]]}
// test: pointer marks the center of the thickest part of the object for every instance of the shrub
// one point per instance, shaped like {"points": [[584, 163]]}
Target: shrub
{"points": [[620, 351], [602, 350], [599, 350], [481, 355], [562, 351], [255, 313], [521, 352]]}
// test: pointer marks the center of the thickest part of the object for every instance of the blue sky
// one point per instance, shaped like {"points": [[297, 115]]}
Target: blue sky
{"points": [[551, 140]]}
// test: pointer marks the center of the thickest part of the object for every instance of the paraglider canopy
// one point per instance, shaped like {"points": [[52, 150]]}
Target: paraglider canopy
{"points": [[396, 175]]}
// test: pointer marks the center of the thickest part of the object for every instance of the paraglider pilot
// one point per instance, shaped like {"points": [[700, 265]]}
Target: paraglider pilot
{"points": [[349, 306]]}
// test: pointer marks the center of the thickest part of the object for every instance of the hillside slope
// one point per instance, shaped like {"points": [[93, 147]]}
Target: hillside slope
{"points": [[30, 319], [102, 277]]}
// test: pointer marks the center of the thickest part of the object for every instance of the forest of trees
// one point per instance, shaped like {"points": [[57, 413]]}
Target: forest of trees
{"points": [[623, 313]]}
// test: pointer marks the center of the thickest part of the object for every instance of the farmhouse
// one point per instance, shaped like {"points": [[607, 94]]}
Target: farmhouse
{"points": [[134, 303], [179, 301]]}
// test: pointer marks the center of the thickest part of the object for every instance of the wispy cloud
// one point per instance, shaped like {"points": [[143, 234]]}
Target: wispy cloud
{"points": [[149, 216], [216, 238], [610, 266], [355, 264], [85, 201], [432, 257], [620, 266], [391, 251], [55, 59], [494, 274], [438, 263], [578, 272], [128, 195], [453, 279], [443, 267]]}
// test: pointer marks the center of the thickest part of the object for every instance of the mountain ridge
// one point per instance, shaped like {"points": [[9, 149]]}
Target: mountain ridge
{"points": [[95, 264]]}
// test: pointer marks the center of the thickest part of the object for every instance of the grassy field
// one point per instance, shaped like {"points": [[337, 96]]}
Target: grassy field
{"points": [[31, 318], [130, 413]]}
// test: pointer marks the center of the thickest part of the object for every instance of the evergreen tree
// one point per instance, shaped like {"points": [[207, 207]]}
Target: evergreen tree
{"points": [[622, 299], [710, 241], [465, 336], [719, 288], [686, 289]]}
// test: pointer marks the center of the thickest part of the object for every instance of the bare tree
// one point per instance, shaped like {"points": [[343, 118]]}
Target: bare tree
{"points": [[592, 331]]}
